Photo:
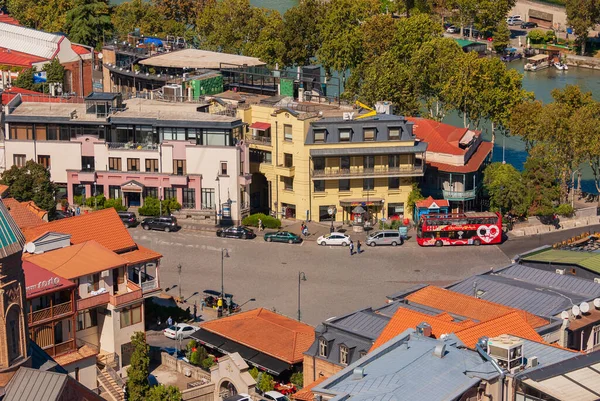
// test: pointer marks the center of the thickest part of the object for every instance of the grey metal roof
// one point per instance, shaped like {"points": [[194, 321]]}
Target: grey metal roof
{"points": [[546, 354], [569, 283], [406, 369], [35, 385], [106, 96], [365, 323], [420, 147], [560, 367]]}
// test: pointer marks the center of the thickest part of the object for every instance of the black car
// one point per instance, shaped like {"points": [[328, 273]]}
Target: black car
{"points": [[60, 214], [527, 25], [129, 219], [165, 223], [236, 232]]}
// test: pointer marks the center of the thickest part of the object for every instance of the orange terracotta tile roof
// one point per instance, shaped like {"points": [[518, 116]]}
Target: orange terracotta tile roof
{"points": [[407, 318], [82, 353], [265, 331], [77, 260], [469, 307], [511, 323], [429, 201], [3, 189], [104, 226], [23, 216], [41, 213], [473, 164], [306, 393], [140, 255], [440, 137]]}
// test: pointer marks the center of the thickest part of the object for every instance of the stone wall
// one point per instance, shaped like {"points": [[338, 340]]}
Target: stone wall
{"points": [[583, 62], [182, 367], [315, 367]]}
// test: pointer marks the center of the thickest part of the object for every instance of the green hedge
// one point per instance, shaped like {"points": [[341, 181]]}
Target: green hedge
{"points": [[268, 221], [564, 209], [152, 206]]}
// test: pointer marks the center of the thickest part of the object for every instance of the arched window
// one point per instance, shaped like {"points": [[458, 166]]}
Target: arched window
{"points": [[13, 333]]}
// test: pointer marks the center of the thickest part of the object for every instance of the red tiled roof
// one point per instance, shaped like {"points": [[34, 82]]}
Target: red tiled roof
{"points": [[79, 49], [140, 255], [18, 59], [3, 189], [306, 393], [39, 281], [104, 226], [23, 216], [265, 331], [472, 165], [469, 307], [7, 19], [429, 201], [441, 138], [31, 206], [511, 323]]}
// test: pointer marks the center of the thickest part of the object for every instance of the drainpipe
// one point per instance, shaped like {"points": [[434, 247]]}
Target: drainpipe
{"points": [[277, 208], [309, 217], [485, 356]]}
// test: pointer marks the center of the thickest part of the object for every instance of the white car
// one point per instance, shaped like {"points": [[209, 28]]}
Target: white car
{"points": [[453, 29], [180, 330], [275, 396], [334, 239]]}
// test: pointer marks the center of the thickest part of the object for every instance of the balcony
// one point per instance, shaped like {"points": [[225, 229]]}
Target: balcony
{"points": [[244, 179], [149, 286], [93, 301], [50, 313], [285, 171], [132, 146], [459, 195], [59, 349], [258, 140], [128, 297], [334, 173]]}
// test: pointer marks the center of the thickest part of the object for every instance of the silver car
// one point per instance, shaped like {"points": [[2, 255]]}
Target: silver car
{"points": [[385, 237]]}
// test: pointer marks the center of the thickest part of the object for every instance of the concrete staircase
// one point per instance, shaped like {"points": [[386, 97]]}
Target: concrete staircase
{"points": [[197, 220], [109, 385]]}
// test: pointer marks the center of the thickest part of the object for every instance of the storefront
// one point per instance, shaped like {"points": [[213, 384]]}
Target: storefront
{"points": [[373, 208]]}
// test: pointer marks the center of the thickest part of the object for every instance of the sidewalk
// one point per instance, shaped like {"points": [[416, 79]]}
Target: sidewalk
{"points": [[534, 226]]}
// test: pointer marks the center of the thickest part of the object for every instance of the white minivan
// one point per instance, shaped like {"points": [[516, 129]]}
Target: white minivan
{"points": [[385, 237]]}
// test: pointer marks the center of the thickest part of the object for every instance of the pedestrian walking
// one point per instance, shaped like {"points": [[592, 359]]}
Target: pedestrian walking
{"points": [[351, 248], [358, 247], [169, 321], [202, 304], [556, 221], [195, 311], [260, 225]]}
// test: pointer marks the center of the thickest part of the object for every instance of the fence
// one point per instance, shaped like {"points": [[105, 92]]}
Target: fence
{"points": [[588, 212]]}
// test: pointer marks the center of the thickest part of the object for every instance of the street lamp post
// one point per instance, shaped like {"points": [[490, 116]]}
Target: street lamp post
{"points": [[573, 188], [250, 300], [224, 254], [160, 201], [95, 197], [219, 198], [301, 278]]}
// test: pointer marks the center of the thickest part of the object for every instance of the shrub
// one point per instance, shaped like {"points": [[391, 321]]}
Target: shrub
{"points": [[390, 225], [152, 206], [265, 383], [208, 362], [564, 209], [254, 372], [544, 211], [78, 200], [117, 204], [536, 35], [297, 379], [94, 201], [268, 221], [64, 203]]}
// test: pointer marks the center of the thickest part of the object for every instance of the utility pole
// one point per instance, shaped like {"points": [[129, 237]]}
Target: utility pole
{"points": [[301, 278]]}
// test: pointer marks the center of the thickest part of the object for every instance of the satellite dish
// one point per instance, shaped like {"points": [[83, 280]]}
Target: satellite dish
{"points": [[564, 315], [575, 310], [584, 307], [30, 247], [597, 302]]}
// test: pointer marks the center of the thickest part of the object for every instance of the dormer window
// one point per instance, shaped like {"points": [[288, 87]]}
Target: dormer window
{"points": [[323, 347], [394, 134], [344, 355], [320, 136], [345, 135], [369, 134]]}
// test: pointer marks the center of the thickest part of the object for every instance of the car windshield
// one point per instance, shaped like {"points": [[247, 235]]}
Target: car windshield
{"points": [[174, 328], [282, 398]]}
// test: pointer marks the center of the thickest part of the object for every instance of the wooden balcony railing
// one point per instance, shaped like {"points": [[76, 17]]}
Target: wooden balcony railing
{"points": [[122, 299], [62, 348], [93, 301], [50, 313]]}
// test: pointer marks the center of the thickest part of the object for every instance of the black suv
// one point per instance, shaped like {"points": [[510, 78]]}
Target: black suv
{"points": [[165, 223], [129, 219]]}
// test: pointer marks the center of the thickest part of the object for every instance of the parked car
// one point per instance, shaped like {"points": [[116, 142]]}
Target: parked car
{"points": [[516, 16], [275, 396], [514, 21], [236, 232], [165, 223], [334, 239], [527, 25], [129, 219], [385, 237], [152, 381], [283, 236], [453, 29], [180, 331], [239, 397], [60, 214]]}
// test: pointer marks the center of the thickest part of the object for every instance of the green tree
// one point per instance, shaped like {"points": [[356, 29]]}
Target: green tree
{"points": [[137, 372], [25, 79], [254, 372], [55, 72], [301, 35], [378, 35], [412, 33], [268, 46], [505, 187], [137, 14], [585, 123], [297, 378], [582, 15], [163, 393], [490, 13], [208, 362], [414, 196], [31, 183], [463, 88], [265, 382], [464, 12], [87, 22], [540, 181], [501, 36], [182, 11], [536, 36]]}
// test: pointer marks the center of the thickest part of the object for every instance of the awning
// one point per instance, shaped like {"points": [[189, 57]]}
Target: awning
{"points": [[260, 126], [361, 202], [253, 357], [421, 147]]}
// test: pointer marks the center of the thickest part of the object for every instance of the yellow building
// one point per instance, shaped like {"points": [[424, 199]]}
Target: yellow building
{"points": [[305, 165]]}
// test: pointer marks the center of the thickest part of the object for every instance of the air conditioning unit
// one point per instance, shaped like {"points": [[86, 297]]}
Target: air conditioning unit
{"points": [[560, 271], [507, 351], [532, 362], [105, 273], [173, 91], [597, 280]]}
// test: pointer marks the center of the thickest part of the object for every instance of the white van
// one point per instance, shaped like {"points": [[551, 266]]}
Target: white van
{"points": [[385, 237]]}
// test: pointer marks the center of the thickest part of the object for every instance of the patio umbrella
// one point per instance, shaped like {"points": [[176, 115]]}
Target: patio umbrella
{"points": [[358, 210], [528, 43]]}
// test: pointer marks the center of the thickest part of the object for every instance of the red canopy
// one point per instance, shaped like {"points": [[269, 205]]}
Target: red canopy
{"points": [[261, 126], [39, 281]]}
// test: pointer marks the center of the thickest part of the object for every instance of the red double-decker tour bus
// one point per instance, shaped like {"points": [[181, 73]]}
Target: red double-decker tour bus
{"points": [[469, 228]]}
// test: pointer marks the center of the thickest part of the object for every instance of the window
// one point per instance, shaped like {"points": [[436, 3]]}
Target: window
{"points": [[114, 164], [44, 160], [19, 160], [216, 138], [40, 132], [345, 162], [151, 165], [369, 134], [369, 162], [395, 209], [114, 191], [320, 136], [208, 198], [288, 160], [150, 192], [345, 135], [145, 134], [21, 132], [287, 132], [319, 185], [64, 133], [393, 183], [288, 183], [319, 163], [133, 164], [52, 133], [324, 213], [394, 133], [323, 347], [394, 161], [368, 184], [179, 167], [131, 316], [344, 185], [170, 193], [189, 198], [223, 168], [87, 318], [362, 353], [343, 355], [596, 335], [87, 163]]}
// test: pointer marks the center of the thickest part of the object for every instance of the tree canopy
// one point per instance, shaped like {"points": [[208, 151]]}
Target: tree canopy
{"points": [[506, 189], [137, 372], [31, 183]]}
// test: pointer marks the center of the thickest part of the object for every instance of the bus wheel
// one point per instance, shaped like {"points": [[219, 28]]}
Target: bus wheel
{"points": [[477, 242], [439, 243]]}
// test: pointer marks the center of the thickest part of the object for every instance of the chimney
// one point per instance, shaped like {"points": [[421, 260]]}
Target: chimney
{"points": [[564, 336], [424, 329]]}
